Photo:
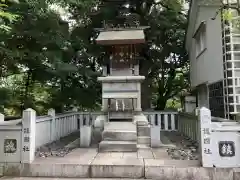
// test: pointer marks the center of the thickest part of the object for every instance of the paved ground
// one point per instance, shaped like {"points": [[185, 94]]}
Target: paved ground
{"points": [[34, 178], [91, 156]]}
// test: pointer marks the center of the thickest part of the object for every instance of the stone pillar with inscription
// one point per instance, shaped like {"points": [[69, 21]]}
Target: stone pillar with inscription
{"points": [[28, 135], [51, 112], [205, 136]]}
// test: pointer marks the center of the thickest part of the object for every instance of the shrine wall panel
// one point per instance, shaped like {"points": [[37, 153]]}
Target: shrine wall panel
{"points": [[120, 87], [122, 72]]}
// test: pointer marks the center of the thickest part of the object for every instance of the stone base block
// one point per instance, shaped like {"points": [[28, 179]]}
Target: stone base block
{"points": [[117, 168], [85, 136], [143, 130], [56, 170]]}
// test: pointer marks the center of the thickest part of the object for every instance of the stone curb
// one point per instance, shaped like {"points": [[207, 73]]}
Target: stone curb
{"points": [[139, 170]]}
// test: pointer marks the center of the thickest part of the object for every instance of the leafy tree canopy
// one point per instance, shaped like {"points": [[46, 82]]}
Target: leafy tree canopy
{"points": [[49, 58]]}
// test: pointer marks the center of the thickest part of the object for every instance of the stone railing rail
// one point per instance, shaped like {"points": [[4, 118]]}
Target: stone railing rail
{"points": [[219, 119], [188, 125], [52, 127], [165, 120]]}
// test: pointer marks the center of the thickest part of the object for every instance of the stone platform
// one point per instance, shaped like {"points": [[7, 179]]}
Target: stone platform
{"points": [[88, 163], [143, 164]]}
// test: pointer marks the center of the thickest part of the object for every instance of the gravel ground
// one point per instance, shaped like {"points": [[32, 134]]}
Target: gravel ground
{"points": [[185, 149], [57, 148]]}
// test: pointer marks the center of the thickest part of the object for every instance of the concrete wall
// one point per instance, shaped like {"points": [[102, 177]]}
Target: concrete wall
{"points": [[208, 67], [203, 96]]}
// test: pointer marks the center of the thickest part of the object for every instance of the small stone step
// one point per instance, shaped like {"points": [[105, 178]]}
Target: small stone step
{"points": [[143, 130], [144, 140], [117, 146], [111, 135]]}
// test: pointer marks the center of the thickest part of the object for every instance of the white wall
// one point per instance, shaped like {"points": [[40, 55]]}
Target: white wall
{"points": [[208, 67], [203, 98]]}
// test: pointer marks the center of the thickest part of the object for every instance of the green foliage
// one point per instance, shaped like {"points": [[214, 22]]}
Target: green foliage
{"points": [[48, 62], [5, 15], [41, 47]]}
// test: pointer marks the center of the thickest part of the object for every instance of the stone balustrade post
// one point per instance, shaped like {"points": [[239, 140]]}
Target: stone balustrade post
{"points": [[104, 105], [28, 135], [75, 109], [51, 112], [205, 135], [1, 117]]}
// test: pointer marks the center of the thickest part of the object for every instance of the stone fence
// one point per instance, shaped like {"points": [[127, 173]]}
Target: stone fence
{"points": [[20, 138], [188, 125], [219, 139], [164, 120]]}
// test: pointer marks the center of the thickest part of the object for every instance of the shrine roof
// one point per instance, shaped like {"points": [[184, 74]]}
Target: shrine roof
{"points": [[121, 37]]}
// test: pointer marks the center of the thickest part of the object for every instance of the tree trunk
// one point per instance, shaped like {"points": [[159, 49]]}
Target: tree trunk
{"points": [[146, 92], [26, 91], [161, 103], [146, 95]]}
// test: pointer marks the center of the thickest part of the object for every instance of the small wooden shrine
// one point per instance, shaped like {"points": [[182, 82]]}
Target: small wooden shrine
{"points": [[124, 47], [121, 86], [121, 89]]}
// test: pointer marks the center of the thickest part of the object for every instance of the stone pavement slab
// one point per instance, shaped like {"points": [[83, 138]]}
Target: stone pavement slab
{"points": [[130, 155], [105, 155], [87, 162], [145, 154], [160, 153], [75, 164], [173, 169], [35, 178], [171, 163]]}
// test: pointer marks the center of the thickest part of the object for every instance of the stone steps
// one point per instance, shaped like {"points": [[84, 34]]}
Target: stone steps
{"points": [[117, 146], [111, 135], [119, 137]]}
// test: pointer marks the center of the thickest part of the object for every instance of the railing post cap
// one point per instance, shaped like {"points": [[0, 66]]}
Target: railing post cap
{"points": [[29, 110], [204, 109], [1, 117], [51, 110]]}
